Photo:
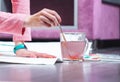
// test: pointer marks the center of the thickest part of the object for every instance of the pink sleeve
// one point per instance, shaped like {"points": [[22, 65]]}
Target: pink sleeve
{"points": [[22, 6], [11, 23]]}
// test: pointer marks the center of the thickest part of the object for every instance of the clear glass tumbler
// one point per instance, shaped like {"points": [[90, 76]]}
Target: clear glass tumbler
{"points": [[73, 45]]}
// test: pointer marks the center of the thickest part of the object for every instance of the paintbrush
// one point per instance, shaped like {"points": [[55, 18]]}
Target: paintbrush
{"points": [[62, 33], [65, 44]]}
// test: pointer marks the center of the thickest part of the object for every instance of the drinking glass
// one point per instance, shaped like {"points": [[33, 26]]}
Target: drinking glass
{"points": [[73, 45]]}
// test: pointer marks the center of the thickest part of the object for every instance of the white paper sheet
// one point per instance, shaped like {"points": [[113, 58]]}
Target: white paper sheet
{"points": [[52, 48], [23, 60]]}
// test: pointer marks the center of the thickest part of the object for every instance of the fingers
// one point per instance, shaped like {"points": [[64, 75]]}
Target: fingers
{"points": [[50, 17], [46, 21], [32, 54], [44, 55], [54, 13]]}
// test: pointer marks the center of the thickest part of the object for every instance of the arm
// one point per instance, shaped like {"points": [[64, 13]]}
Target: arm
{"points": [[22, 6], [44, 17], [9, 22]]}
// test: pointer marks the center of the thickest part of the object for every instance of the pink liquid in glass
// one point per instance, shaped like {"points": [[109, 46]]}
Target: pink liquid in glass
{"points": [[73, 50]]}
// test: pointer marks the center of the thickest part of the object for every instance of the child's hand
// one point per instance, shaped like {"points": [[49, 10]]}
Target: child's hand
{"points": [[33, 54], [45, 17]]}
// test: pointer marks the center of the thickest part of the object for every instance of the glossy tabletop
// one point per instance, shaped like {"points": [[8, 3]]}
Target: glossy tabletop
{"points": [[61, 72]]}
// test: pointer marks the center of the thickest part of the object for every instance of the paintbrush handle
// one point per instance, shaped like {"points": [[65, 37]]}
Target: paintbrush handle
{"points": [[62, 33]]}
